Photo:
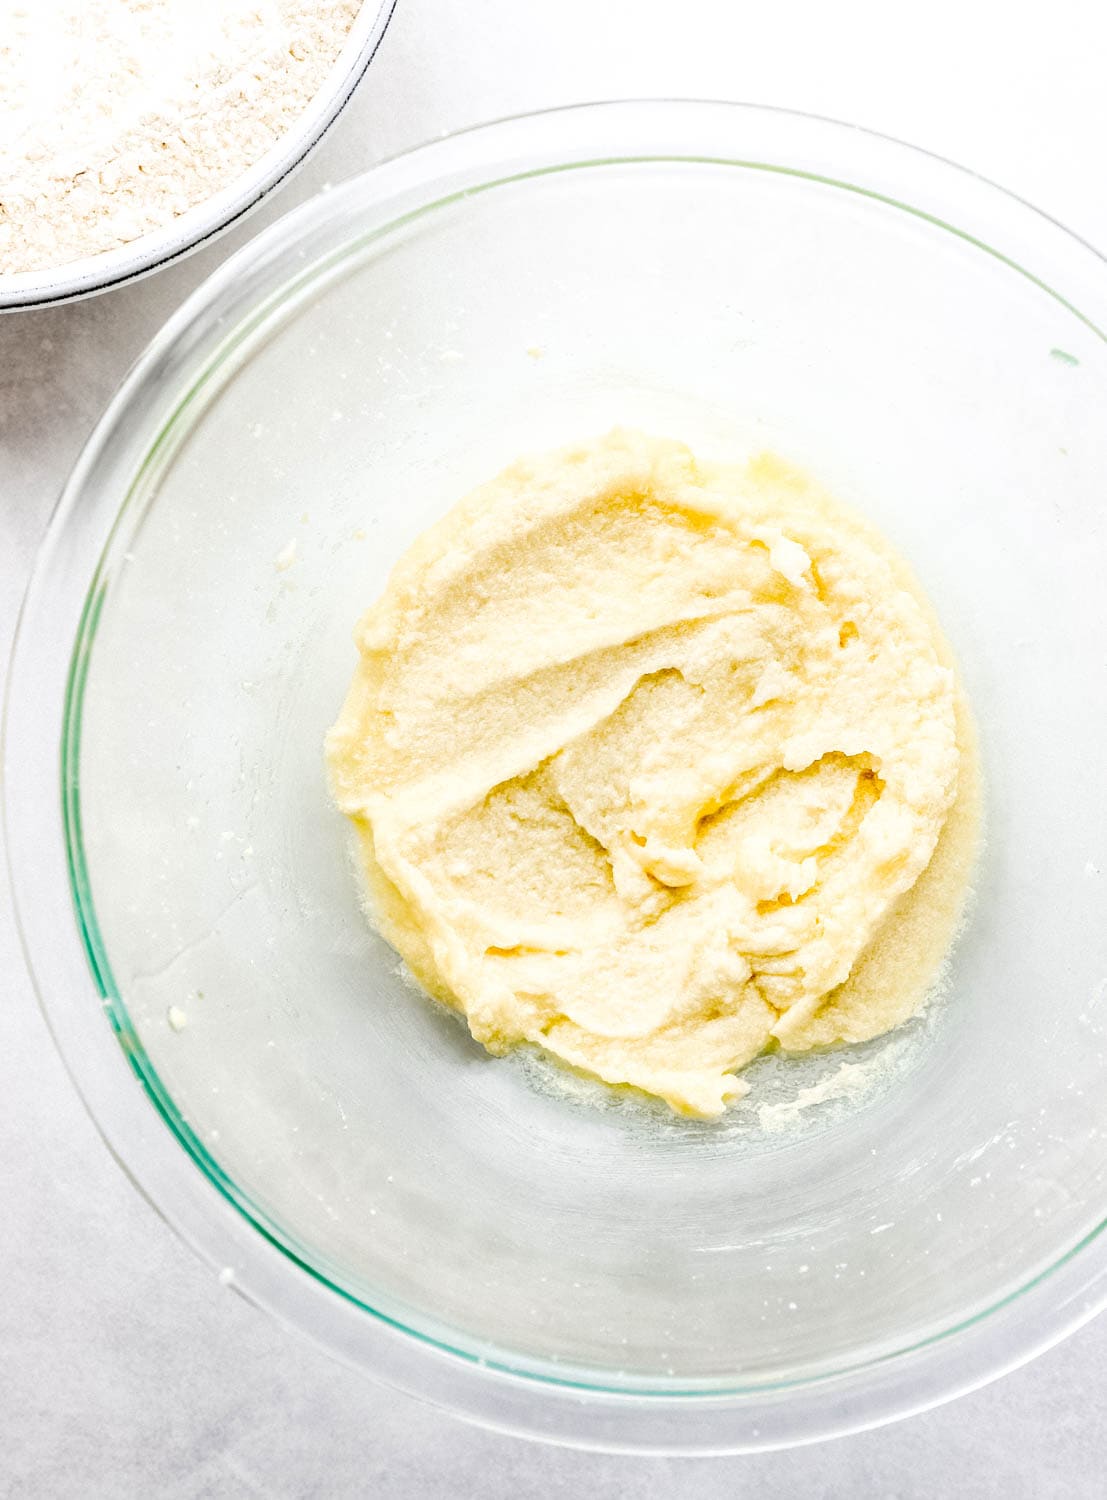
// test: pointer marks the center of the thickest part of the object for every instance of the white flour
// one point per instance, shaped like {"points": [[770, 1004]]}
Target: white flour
{"points": [[118, 115]]}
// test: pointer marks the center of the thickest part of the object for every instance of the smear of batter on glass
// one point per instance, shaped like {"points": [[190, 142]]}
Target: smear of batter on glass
{"points": [[656, 764]]}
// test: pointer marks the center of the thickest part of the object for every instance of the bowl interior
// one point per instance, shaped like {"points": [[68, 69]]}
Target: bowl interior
{"points": [[488, 1204]]}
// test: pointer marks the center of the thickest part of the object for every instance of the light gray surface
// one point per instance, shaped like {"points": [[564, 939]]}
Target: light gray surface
{"points": [[128, 1371]]}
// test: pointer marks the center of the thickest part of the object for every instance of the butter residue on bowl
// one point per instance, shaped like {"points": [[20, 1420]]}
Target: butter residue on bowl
{"points": [[657, 764]]}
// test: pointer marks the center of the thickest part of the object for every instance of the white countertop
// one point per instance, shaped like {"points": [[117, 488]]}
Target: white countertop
{"points": [[128, 1370]]}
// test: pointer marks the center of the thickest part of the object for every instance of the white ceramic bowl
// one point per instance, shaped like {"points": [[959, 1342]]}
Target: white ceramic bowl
{"points": [[202, 222]]}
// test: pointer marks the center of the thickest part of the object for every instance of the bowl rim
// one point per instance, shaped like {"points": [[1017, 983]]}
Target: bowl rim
{"points": [[267, 1270], [212, 216]]}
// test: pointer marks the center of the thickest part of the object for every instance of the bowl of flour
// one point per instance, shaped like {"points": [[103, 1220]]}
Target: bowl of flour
{"points": [[134, 130]]}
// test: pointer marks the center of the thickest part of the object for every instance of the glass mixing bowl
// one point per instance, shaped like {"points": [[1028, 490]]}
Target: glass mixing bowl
{"points": [[548, 1261]]}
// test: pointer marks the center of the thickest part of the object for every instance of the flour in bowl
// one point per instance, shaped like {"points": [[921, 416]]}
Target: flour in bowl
{"points": [[119, 115]]}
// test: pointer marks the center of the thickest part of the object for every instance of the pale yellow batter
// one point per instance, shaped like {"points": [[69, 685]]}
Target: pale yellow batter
{"points": [[647, 758]]}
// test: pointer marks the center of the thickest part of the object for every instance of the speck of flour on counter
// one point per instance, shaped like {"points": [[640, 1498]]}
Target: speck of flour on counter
{"points": [[120, 115]]}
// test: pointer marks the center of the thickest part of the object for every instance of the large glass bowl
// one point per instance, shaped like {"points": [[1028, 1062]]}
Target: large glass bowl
{"points": [[591, 1271]]}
